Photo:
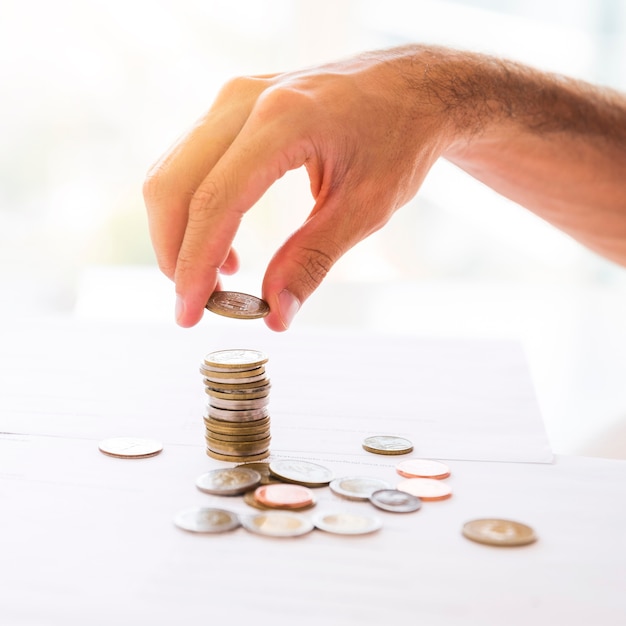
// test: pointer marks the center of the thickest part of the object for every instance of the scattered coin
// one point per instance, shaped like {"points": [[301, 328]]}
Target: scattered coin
{"points": [[130, 447], [395, 501], [228, 481], [207, 520], [499, 532], [347, 523], [278, 524], [283, 496], [262, 468], [301, 472], [425, 488], [387, 444], [422, 468], [357, 487], [237, 305]]}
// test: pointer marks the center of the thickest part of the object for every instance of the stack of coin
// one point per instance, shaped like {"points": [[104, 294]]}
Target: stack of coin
{"points": [[237, 419]]}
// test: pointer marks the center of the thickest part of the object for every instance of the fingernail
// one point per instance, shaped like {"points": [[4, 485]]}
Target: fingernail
{"points": [[288, 306], [180, 308]]}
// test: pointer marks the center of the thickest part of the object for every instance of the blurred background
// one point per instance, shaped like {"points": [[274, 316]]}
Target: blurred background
{"points": [[94, 91]]}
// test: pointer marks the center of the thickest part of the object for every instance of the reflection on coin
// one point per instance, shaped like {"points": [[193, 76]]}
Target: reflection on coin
{"points": [[206, 520], [228, 481], [357, 487], [283, 496], [130, 447], [422, 468], [395, 501], [347, 523], [387, 444], [425, 488], [301, 472], [235, 360], [278, 524], [499, 532], [237, 305]]}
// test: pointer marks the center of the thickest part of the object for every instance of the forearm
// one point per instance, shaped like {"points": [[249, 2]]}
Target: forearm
{"points": [[555, 145]]}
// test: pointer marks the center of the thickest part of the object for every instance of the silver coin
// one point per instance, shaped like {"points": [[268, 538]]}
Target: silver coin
{"points": [[347, 523], [236, 405], [301, 472], [235, 359], [395, 501], [130, 447], [357, 487], [387, 444], [207, 520], [235, 383], [238, 305], [231, 481], [278, 524]]}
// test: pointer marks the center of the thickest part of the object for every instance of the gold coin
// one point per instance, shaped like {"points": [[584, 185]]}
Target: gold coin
{"points": [[499, 532], [238, 305], [387, 444], [347, 523], [262, 468], [237, 428], [235, 360], [278, 524], [221, 375], [234, 438], [237, 458], [226, 387], [426, 488], [422, 468], [241, 448], [130, 447]]}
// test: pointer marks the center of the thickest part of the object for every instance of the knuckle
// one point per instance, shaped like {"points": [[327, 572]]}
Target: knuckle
{"points": [[282, 100], [315, 264]]}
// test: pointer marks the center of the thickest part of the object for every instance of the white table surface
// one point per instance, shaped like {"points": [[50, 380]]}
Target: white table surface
{"points": [[87, 539]]}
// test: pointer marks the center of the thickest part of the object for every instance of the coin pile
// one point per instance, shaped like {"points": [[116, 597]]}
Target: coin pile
{"points": [[237, 418]]}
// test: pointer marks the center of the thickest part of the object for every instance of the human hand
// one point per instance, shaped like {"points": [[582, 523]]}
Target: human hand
{"points": [[363, 128]]}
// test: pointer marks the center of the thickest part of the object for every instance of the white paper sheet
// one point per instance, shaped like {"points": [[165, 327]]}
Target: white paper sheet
{"points": [[454, 399]]}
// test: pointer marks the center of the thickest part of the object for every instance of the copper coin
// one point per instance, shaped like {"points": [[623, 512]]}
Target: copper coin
{"points": [[387, 444], [130, 447], [281, 495], [221, 375], [245, 415], [241, 438], [242, 448], [426, 488], [238, 305], [235, 387], [499, 532], [422, 468], [236, 405]]}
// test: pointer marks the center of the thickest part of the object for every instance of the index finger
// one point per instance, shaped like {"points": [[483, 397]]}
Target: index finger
{"points": [[260, 155]]}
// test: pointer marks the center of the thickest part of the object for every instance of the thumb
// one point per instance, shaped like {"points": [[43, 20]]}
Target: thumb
{"points": [[303, 261]]}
